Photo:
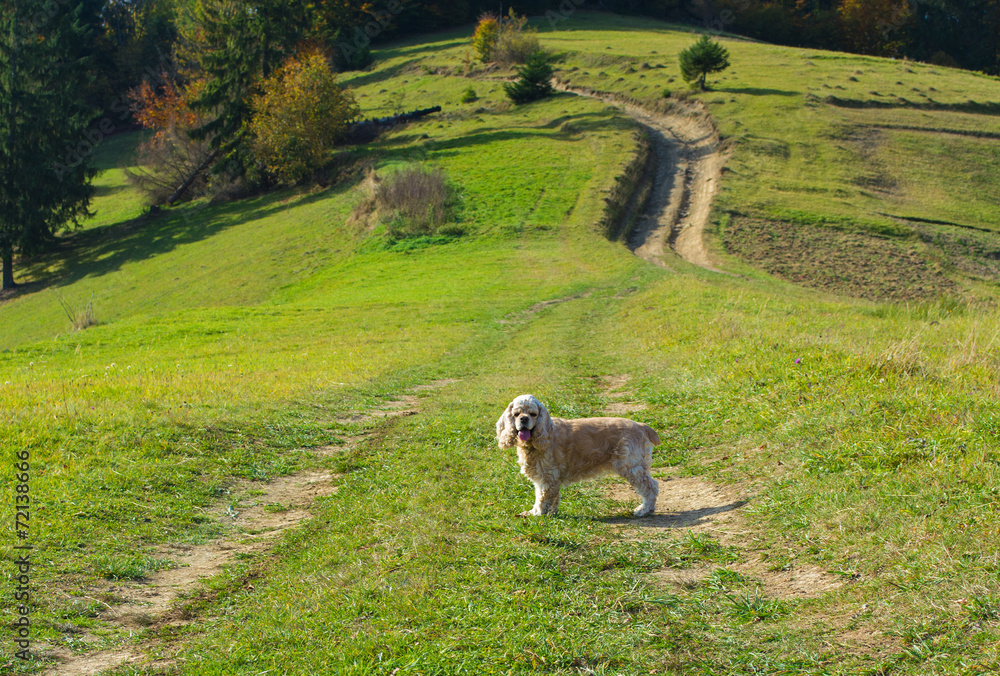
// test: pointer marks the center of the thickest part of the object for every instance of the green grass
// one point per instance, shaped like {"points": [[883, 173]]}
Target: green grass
{"points": [[235, 339]]}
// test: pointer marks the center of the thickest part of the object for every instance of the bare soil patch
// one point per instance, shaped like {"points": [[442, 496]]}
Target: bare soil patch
{"points": [[694, 504], [688, 503], [253, 518], [619, 404], [794, 582], [525, 315]]}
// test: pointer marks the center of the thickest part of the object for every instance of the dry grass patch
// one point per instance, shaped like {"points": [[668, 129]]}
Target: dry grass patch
{"points": [[411, 202]]}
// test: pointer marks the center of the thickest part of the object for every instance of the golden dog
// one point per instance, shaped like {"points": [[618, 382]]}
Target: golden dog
{"points": [[553, 451]]}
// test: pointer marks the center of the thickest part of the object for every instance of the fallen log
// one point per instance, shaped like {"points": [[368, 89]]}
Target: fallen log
{"points": [[366, 130], [177, 194]]}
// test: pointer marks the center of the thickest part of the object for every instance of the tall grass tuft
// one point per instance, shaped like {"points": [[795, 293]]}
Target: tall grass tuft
{"points": [[82, 319], [412, 202]]}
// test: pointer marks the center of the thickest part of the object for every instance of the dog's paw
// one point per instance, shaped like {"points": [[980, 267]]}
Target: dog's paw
{"points": [[642, 511]]}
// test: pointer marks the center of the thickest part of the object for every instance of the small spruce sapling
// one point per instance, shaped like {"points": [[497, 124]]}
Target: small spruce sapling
{"points": [[534, 80]]}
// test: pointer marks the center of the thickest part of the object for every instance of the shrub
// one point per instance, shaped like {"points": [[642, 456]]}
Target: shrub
{"points": [[516, 42], [299, 115], [701, 59], [412, 202], [504, 41], [534, 80], [84, 318], [485, 37], [469, 95]]}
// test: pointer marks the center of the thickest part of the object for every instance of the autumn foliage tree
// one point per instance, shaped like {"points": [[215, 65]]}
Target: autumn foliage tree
{"points": [[485, 37], [169, 156], [301, 112], [506, 40]]}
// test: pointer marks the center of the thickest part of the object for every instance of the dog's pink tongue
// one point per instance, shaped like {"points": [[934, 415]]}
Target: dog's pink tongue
{"points": [[524, 435]]}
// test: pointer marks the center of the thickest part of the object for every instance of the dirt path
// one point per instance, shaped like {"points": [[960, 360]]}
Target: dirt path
{"points": [[688, 169], [700, 506], [252, 518]]}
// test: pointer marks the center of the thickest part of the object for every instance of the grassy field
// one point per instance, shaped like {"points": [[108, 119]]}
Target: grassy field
{"points": [[854, 437]]}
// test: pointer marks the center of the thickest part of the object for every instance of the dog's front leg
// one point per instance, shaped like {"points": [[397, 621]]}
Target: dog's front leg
{"points": [[546, 499]]}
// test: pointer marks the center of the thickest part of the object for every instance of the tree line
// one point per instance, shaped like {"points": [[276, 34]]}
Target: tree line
{"points": [[75, 71], [132, 38]]}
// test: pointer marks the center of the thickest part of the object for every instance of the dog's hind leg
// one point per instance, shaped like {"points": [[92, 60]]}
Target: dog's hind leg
{"points": [[644, 484], [648, 489]]}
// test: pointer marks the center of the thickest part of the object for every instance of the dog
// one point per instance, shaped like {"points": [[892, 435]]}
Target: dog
{"points": [[553, 451]]}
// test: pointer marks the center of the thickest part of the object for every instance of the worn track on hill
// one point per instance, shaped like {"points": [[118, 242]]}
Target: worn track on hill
{"points": [[686, 174]]}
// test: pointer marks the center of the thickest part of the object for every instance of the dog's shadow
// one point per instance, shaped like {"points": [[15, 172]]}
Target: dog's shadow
{"points": [[686, 519]]}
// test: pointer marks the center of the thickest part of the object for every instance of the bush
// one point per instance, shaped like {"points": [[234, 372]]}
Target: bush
{"points": [[534, 80], [701, 59], [504, 41], [299, 115], [485, 37], [469, 95], [412, 202], [516, 42]]}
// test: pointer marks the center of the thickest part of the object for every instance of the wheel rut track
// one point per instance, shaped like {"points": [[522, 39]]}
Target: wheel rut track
{"points": [[250, 528], [688, 168]]}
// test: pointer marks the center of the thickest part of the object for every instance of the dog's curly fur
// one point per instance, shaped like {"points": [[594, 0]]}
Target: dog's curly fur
{"points": [[553, 451]]}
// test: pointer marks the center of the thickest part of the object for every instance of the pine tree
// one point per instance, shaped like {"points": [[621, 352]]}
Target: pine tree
{"points": [[45, 142], [701, 59], [534, 80], [245, 44]]}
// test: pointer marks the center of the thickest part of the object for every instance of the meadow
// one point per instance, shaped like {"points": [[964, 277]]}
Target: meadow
{"points": [[853, 434]]}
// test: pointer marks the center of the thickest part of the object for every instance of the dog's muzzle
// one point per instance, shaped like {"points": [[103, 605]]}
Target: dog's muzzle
{"points": [[523, 433]]}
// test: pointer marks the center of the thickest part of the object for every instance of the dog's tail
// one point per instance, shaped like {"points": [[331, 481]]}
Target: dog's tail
{"points": [[651, 434]]}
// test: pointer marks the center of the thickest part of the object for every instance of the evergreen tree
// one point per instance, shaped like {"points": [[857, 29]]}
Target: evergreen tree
{"points": [[534, 80], [44, 137], [245, 43], [701, 59]]}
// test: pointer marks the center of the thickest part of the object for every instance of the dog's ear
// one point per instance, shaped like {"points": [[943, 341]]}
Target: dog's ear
{"points": [[506, 432], [544, 431]]}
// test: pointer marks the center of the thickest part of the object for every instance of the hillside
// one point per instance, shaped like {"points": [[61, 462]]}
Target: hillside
{"points": [[828, 469]]}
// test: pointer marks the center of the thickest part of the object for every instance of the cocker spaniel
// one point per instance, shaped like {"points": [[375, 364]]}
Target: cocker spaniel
{"points": [[553, 451]]}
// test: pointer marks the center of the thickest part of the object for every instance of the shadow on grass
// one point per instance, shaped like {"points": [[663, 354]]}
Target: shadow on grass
{"points": [[104, 250], [575, 125], [980, 108], [381, 74], [422, 48], [756, 91], [686, 519]]}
